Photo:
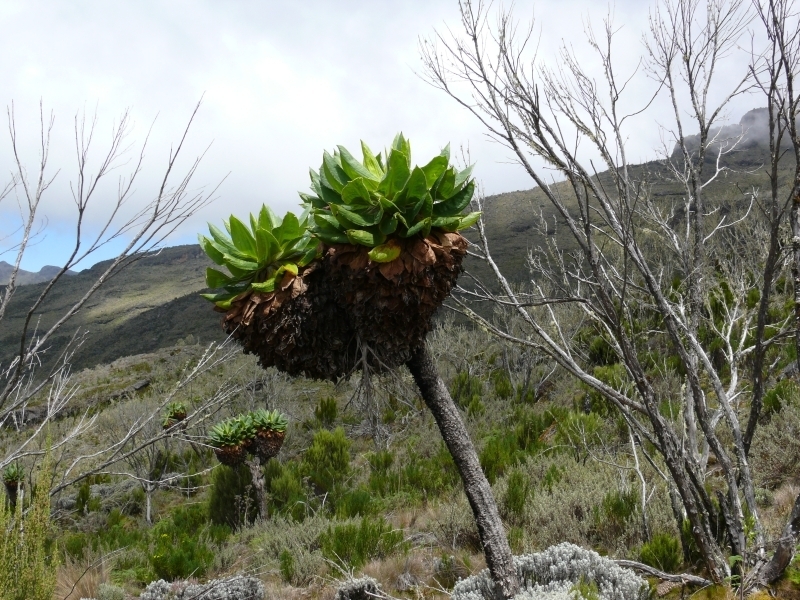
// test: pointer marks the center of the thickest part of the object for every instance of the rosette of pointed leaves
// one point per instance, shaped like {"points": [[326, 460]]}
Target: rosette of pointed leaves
{"points": [[258, 257], [370, 201], [231, 432], [13, 474], [269, 420]]}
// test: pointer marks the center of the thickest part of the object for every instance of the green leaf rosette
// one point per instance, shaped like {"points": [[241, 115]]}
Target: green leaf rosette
{"points": [[370, 201]]}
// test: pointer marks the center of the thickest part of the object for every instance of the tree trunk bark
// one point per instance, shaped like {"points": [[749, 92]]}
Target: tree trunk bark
{"points": [[784, 552], [259, 485], [794, 222], [479, 493]]}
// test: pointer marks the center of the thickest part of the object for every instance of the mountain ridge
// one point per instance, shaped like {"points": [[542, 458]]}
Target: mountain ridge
{"points": [[46, 273]]}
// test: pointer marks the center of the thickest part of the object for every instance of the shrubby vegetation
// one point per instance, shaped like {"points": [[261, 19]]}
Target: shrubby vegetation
{"points": [[335, 498]]}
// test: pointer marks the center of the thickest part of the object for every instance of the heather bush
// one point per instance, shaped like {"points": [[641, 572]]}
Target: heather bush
{"points": [[326, 411], [107, 591], [232, 501], [663, 552], [327, 460], [466, 389], [775, 452], [518, 488], [354, 542], [183, 543], [28, 569]]}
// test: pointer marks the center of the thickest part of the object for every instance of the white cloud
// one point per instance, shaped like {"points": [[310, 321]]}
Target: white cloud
{"points": [[282, 82]]}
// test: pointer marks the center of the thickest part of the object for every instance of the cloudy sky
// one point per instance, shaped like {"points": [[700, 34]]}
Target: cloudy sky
{"points": [[280, 82]]}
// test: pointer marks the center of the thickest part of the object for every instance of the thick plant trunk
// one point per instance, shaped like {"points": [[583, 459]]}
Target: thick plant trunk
{"points": [[259, 485], [479, 493]]}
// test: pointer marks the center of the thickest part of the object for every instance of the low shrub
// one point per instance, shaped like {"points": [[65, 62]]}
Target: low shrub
{"points": [[466, 388], [181, 544], [518, 489], [326, 411], [353, 543], [663, 552], [502, 384], [232, 501], [355, 503], [287, 494], [327, 460]]}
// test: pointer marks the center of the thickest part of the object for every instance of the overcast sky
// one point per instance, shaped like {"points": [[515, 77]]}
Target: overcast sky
{"points": [[281, 81]]}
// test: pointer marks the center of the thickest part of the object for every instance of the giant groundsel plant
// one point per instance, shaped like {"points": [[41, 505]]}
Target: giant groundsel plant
{"points": [[369, 201], [257, 257]]}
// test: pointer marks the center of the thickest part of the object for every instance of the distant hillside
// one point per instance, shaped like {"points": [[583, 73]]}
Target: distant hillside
{"points": [[46, 273], [154, 303], [110, 317]]}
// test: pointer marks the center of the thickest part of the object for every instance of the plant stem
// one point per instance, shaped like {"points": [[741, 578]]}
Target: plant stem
{"points": [[479, 493]]}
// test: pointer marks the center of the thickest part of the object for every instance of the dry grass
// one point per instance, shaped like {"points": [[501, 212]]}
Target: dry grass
{"points": [[78, 579]]}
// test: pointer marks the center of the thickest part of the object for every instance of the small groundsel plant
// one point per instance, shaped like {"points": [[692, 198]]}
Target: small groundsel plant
{"points": [[270, 430], [174, 413], [260, 432], [259, 257], [229, 440], [13, 475], [562, 572], [265, 420], [370, 201]]}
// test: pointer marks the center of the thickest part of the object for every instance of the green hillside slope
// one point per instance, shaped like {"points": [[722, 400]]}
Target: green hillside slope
{"points": [[154, 303]]}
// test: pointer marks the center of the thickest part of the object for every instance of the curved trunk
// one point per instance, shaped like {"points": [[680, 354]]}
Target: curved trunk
{"points": [[479, 493]]}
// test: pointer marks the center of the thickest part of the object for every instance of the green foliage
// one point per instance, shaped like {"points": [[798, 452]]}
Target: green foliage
{"points": [[182, 543], [784, 392], [174, 411], [364, 202], [585, 590], [551, 478], [355, 503], [601, 353], [231, 432], [502, 384], [232, 501], [28, 572], [500, 452], [380, 479], [287, 494], [287, 566], [327, 460], [326, 411], [259, 256], [466, 389], [518, 490], [504, 448], [617, 508], [265, 420], [354, 543], [82, 497], [663, 552], [13, 474]]}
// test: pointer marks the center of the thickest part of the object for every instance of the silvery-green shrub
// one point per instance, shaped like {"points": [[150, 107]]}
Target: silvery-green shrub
{"points": [[553, 574], [230, 588]]}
